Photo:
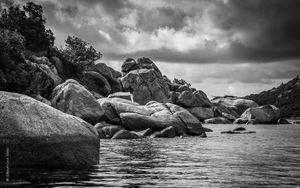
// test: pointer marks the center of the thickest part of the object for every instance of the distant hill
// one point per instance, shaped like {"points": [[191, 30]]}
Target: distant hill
{"points": [[286, 97]]}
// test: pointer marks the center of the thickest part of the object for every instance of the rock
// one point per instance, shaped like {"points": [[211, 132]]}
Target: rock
{"points": [[238, 104], [122, 95], [218, 120], [230, 132], [207, 129], [110, 131], [183, 88], [186, 99], [154, 115], [146, 85], [146, 63], [283, 121], [46, 69], [201, 99], [143, 133], [239, 121], [203, 135], [40, 82], [114, 106], [237, 132], [109, 74], [201, 113], [239, 129], [228, 111], [124, 134], [193, 125], [94, 81], [168, 132], [72, 98], [268, 114], [42, 99], [195, 99], [129, 65], [58, 65], [41, 136], [161, 116], [98, 127]]}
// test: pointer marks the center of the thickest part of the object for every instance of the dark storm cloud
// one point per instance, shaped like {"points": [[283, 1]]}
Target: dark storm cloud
{"points": [[271, 28], [161, 17], [255, 30]]}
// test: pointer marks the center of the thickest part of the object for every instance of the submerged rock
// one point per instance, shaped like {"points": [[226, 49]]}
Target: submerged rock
{"points": [[143, 133], [124, 134], [39, 135], [218, 120], [72, 98], [283, 121], [168, 132], [239, 129]]}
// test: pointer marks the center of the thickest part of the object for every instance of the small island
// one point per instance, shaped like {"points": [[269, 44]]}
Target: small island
{"points": [[56, 103]]}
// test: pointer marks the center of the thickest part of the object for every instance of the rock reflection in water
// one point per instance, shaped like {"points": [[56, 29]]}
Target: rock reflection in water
{"points": [[138, 160]]}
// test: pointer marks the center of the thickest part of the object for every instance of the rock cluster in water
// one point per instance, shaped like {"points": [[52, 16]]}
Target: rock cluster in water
{"points": [[64, 128]]}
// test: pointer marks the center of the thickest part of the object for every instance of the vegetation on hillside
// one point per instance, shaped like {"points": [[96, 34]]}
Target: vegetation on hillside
{"points": [[23, 30], [286, 97]]}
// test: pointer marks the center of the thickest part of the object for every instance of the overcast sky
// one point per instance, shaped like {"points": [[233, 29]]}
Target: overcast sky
{"points": [[222, 47]]}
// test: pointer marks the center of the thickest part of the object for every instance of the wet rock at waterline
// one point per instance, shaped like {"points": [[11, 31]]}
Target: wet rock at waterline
{"points": [[124, 134], [268, 114], [39, 135], [218, 120], [168, 132]]}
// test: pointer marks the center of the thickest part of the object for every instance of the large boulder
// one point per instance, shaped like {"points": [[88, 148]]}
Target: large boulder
{"points": [[72, 98], [218, 120], [95, 82], [141, 63], [201, 113], [146, 85], [114, 106], [48, 68], [157, 117], [110, 131], [38, 135], [235, 103], [129, 65], [192, 99], [267, 114], [109, 74], [228, 112]]}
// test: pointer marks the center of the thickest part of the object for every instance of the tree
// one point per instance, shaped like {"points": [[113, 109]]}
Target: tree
{"points": [[79, 53], [30, 23]]}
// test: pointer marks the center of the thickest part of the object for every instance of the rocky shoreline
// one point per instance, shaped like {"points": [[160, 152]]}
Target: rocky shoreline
{"points": [[135, 103]]}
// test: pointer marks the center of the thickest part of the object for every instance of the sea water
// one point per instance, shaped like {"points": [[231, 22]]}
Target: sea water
{"points": [[268, 158]]}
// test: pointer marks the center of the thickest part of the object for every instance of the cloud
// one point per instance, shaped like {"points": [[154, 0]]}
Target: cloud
{"points": [[234, 41]]}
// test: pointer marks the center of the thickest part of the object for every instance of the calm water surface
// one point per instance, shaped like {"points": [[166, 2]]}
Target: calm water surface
{"points": [[268, 158]]}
